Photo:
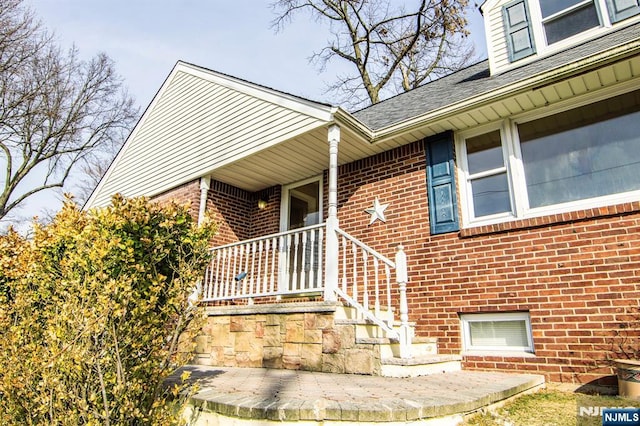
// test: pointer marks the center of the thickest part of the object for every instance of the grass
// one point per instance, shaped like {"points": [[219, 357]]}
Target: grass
{"points": [[549, 407]]}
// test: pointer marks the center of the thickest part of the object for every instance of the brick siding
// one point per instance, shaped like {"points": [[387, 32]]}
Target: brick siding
{"points": [[237, 214], [574, 273], [188, 193]]}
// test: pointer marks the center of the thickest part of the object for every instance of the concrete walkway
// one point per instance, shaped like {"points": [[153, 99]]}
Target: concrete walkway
{"points": [[239, 396]]}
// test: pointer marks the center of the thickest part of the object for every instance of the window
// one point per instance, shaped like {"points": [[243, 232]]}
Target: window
{"points": [[487, 175], [497, 332], [562, 19], [583, 153], [547, 23], [580, 158]]}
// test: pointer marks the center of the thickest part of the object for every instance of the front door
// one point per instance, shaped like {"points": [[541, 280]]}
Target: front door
{"points": [[302, 207]]}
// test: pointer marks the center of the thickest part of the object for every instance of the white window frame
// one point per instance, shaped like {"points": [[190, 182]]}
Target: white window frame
{"points": [[515, 168], [540, 34], [465, 319], [465, 177]]}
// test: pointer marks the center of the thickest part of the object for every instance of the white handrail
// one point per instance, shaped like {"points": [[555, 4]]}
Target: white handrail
{"points": [[365, 247]]}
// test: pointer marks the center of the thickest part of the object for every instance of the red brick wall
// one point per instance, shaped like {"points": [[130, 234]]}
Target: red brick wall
{"points": [[267, 220], [234, 210], [188, 193], [575, 273], [575, 278], [237, 215], [397, 178]]}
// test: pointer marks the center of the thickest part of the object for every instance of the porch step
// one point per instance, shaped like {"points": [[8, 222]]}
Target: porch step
{"points": [[389, 349], [367, 330], [346, 312], [416, 366]]}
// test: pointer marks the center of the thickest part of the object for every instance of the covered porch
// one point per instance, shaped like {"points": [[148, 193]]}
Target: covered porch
{"points": [[294, 186]]}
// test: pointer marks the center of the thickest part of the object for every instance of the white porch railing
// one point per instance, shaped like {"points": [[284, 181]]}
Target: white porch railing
{"points": [[275, 265], [291, 263]]}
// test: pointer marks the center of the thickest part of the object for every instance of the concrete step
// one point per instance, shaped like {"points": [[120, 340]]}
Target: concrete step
{"points": [[350, 313], [420, 347], [420, 365], [390, 348], [365, 329]]}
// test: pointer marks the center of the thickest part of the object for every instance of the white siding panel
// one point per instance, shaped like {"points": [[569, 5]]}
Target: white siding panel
{"points": [[197, 126], [550, 94], [635, 65], [525, 102], [478, 116], [497, 43], [607, 76], [537, 99]]}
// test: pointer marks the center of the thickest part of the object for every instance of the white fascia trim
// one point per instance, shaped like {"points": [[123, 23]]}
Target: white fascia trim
{"points": [[344, 118], [540, 80], [488, 5], [313, 109]]}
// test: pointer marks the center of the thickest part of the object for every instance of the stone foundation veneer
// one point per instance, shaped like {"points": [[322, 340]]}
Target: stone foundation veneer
{"points": [[294, 336]]}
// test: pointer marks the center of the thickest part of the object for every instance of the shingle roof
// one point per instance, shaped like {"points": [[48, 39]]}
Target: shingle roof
{"points": [[476, 80]]}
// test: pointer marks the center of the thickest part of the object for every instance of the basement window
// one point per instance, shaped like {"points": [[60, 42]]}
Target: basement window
{"points": [[497, 332]]}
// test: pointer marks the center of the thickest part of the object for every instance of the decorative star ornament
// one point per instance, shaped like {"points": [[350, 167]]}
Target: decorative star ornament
{"points": [[377, 211]]}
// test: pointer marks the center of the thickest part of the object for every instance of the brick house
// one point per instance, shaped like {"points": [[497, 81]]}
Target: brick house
{"points": [[512, 186]]}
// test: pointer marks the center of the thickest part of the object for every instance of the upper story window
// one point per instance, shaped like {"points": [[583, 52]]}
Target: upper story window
{"points": [[543, 23], [562, 19], [575, 159]]}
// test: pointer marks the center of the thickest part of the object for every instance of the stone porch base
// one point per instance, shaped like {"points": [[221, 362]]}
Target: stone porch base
{"points": [[290, 336]]}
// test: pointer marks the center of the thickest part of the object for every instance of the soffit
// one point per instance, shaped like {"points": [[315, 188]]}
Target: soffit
{"points": [[295, 159]]}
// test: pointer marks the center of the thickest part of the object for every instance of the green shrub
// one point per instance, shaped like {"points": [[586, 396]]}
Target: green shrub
{"points": [[94, 314]]}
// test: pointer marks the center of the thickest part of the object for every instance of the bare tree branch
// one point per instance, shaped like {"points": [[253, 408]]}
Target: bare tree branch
{"points": [[392, 47], [59, 113]]}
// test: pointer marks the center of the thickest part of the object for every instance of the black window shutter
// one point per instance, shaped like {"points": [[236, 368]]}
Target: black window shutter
{"points": [[441, 184], [622, 9]]}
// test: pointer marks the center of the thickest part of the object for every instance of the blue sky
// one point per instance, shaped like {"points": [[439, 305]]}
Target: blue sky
{"points": [[145, 38]]}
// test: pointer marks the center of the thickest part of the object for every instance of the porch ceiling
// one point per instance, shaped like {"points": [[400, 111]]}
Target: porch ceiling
{"points": [[295, 159]]}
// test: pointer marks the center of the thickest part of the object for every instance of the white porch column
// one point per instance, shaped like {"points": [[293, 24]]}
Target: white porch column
{"points": [[331, 253], [204, 190], [402, 278]]}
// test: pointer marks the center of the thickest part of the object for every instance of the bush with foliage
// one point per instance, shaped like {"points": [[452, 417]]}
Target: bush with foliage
{"points": [[94, 314]]}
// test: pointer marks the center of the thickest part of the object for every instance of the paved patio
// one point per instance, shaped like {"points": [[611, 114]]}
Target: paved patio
{"points": [[242, 396]]}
